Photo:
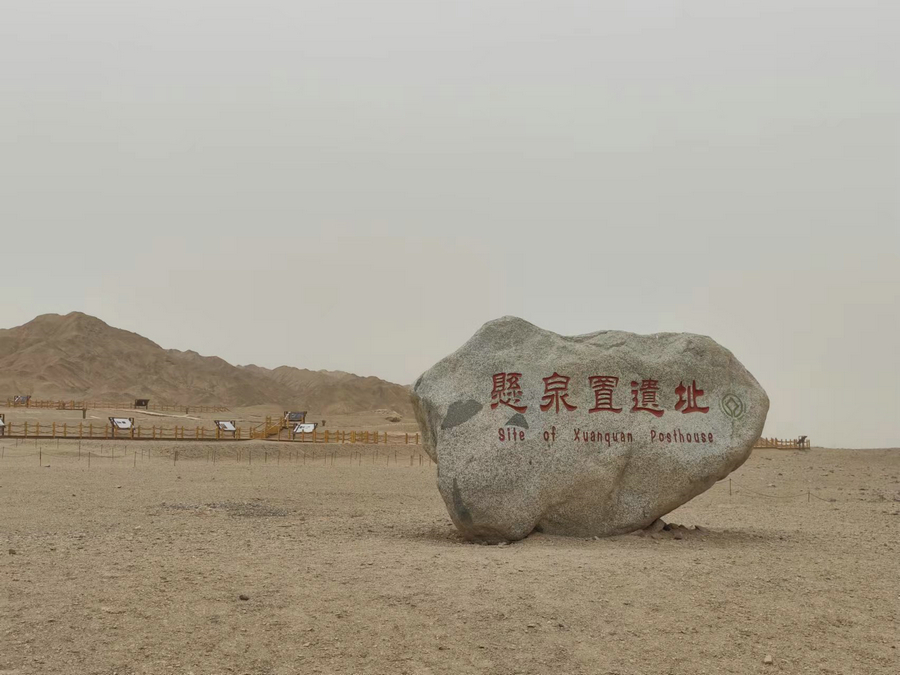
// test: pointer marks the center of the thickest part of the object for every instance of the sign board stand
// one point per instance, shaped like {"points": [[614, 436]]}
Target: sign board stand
{"points": [[121, 424], [292, 418], [303, 429], [226, 426]]}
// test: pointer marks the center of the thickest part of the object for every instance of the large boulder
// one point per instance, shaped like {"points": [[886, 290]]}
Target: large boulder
{"points": [[590, 435]]}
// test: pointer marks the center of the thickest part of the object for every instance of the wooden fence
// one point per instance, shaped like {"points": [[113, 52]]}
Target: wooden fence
{"points": [[109, 405], [87, 430], [784, 443]]}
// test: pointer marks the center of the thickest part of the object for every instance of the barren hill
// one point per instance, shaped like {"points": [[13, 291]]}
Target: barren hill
{"points": [[81, 357], [339, 392]]}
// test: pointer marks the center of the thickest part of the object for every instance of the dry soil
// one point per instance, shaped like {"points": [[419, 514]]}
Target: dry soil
{"points": [[268, 564]]}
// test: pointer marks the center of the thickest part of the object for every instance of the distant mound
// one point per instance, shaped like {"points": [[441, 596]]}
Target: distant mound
{"points": [[338, 392], [77, 356]]}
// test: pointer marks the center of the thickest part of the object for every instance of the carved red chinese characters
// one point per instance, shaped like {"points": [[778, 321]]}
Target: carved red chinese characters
{"points": [[603, 386], [648, 391], [508, 391], [687, 398], [556, 391]]}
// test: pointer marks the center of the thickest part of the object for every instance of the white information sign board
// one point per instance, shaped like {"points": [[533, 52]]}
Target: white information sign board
{"points": [[305, 428], [122, 423]]}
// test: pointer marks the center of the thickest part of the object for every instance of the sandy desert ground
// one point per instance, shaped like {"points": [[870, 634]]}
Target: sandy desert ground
{"points": [[137, 565]]}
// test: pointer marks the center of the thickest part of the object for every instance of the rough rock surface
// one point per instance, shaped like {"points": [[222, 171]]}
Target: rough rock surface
{"points": [[589, 435]]}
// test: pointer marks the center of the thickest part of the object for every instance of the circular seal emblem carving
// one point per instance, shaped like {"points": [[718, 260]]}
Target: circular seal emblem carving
{"points": [[733, 406]]}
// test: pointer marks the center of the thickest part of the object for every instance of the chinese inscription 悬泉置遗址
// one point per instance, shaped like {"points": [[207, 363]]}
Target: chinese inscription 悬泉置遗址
{"points": [[507, 390]]}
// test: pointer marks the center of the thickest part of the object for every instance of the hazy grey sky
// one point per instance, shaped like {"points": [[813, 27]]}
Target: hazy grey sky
{"points": [[360, 185]]}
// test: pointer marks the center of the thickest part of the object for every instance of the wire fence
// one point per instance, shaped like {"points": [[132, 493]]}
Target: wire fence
{"points": [[89, 453], [734, 487], [265, 431]]}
